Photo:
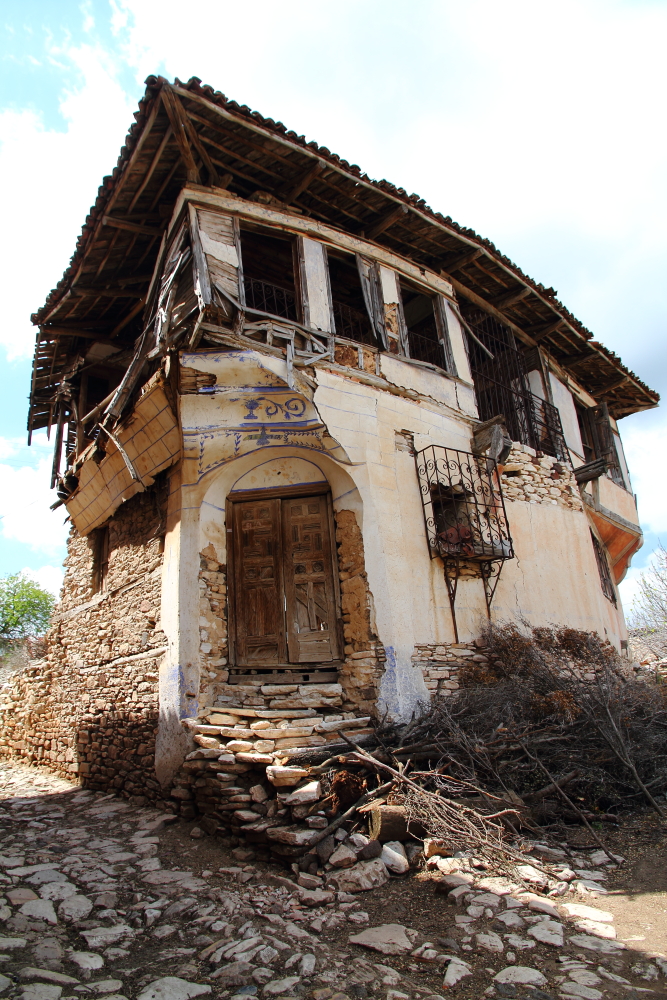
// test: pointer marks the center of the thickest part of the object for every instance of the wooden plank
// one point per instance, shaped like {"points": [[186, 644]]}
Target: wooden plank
{"points": [[477, 300], [304, 181], [199, 256], [388, 219]]}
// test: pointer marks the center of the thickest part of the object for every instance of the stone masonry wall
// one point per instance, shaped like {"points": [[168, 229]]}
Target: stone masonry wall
{"points": [[89, 709], [440, 664], [539, 480]]}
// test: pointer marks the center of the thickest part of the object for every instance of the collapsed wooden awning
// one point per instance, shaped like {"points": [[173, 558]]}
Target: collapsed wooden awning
{"points": [[188, 132]]}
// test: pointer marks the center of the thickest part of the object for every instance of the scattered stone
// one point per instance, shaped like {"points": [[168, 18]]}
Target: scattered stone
{"points": [[9, 943], [590, 943], [86, 959], [373, 849], [234, 974], [361, 877], [102, 937], [281, 776], [29, 972], [548, 932], [489, 942], [520, 974], [596, 928], [21, 895], [588, 912], [343, 857], [172, 988], [197, 832], [41, 991], [389, 939], [57, 890], [40, 909], [456, 970], [394, 857], [279, 986], [4, 983], [106, 986]]}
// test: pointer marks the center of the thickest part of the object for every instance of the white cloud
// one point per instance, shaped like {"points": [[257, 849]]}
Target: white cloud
{"points": [[25, 500], [50, 180], [47, 577]]}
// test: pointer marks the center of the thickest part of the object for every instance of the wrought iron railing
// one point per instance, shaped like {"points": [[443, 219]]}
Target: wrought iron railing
{"points": [[502, 387], [353, 324], [464, 509], [425, 349], [270, 298]]}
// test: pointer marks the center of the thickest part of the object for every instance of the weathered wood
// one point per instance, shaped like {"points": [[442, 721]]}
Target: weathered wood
{"points": [[105, 293], [388, 823], [200, 257], [387, 220], [173, 107], [151, 170], [511, 298], [307, 177], [134, 311], [460, 260], [491, 309], [130, 227]]}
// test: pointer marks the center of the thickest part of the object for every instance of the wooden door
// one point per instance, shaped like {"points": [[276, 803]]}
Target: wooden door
{"points": [[259, 597], [309, 585]]}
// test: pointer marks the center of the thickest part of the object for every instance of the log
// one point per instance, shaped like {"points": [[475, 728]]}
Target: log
{"points": [[388, 823]]}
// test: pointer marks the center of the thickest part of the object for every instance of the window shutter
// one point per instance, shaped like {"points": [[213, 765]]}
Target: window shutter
{"points": [[440, 310], [314, 285], [372, 290]]}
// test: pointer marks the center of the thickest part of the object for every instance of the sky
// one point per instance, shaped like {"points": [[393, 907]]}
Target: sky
{"points": [[539, 125]]}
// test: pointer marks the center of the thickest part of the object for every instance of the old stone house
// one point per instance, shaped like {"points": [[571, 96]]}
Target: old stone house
{"points": [[309, 434]]}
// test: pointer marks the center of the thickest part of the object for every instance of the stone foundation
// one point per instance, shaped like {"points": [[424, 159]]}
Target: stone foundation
{"points": [[440, 664]]}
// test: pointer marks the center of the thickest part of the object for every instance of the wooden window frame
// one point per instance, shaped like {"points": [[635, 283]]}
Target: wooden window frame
{"points": [[279, 493]]}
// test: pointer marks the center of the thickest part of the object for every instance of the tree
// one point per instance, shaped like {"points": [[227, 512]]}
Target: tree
{"points": [[25, 609], [648, 616]]}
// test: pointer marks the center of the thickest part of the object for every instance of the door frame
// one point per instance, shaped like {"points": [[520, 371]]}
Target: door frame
{"points": [[280, 492]]}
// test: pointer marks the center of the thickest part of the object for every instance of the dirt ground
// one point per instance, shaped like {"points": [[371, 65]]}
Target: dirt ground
{"points": [[50, 823]]}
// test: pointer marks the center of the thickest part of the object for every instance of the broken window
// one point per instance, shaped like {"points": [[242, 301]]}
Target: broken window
{"points": [[100, 560], [606, 581], [347, 298], [268, 274], [597, 439], [427, 332]]}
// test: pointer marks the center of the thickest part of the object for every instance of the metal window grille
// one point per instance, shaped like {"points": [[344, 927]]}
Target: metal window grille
{"points": [[353, 324], [270, 298], [425, 349], [464, 514], [501, 386], [606, 581]]}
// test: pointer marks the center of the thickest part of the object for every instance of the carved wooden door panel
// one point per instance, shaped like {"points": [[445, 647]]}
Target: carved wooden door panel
{"points": [[259, 600], [309, 585]]}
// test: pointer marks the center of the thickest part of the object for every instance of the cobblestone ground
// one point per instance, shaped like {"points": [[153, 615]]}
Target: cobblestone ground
{"points": [[105, 900]]}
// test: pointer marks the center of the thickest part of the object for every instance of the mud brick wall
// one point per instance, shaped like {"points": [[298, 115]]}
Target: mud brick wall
{"points": [[539, 480], [89, 708], [364, 653], [440, 664], [213, 646]]}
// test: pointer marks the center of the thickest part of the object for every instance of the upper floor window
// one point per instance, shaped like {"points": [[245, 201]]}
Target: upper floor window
{"points": [[268, 274], [349, 308], [426, 326], [606, 581], [597, 439]]}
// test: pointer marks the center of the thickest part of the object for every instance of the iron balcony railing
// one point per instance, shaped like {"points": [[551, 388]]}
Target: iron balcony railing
{"points": [[353, 324], [464, 509], [268, 298], [425, 349], [529, 419]]}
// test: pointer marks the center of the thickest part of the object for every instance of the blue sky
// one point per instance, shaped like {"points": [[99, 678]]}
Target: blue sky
{"points": [[538, 125]]}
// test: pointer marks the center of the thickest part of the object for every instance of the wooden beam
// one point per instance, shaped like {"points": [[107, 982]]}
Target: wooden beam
{"points": [[540, 332], [307, 177], [613, 384], [576, 359], [134, 311], [487, 307], [511, 298], [149, 173], [461, 260], [105, 293], [131, 227], [180, 132], [66, 331], [387, 220]]}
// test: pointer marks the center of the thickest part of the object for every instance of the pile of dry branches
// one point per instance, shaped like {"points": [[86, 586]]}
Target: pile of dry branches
{"points": [[555, 728]]}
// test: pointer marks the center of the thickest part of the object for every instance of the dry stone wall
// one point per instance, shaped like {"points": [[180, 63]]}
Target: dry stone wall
{"points": [[539, 480], [440, 664], [89, 708]]}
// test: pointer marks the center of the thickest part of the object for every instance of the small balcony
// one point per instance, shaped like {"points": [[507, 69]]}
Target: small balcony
{"points": [[269, 298], [464, 510]]}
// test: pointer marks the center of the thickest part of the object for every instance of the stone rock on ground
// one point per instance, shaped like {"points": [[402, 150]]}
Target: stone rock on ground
{"points": [[394, 857], [172, 988], [548, 932], [521, 974], [361, 877], [389, 939], [456, 970]]}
